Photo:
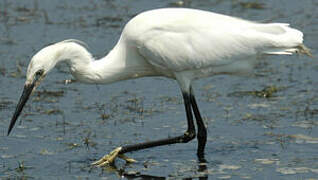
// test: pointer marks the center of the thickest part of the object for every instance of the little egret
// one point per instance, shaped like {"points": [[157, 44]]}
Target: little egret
{"points": [[177, 43]]}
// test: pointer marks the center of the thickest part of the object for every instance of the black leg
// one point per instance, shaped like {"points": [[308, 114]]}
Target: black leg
{"points": [[186, 137], [202, 134]]}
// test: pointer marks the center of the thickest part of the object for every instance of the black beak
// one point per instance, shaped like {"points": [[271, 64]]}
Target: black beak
{"points": [[23, 99]]}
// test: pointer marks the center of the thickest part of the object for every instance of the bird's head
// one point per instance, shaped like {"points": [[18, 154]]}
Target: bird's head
{"points": [[45, 60], [40, 64]]}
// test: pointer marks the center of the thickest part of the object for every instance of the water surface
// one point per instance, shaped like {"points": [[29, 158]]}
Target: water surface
{"points": [[253, 133]]}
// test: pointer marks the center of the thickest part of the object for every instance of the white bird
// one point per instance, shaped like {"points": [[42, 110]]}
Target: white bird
{"points": [[178, 43]]}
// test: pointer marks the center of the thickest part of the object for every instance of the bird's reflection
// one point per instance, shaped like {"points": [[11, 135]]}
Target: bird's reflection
{"points": [[202, 169], [121, 172]]}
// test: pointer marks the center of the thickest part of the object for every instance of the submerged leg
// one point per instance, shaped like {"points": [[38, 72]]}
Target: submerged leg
{"points": [[186, 137], [202, 133]]}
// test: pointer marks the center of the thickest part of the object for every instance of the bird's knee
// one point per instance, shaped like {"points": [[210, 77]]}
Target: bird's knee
{"points": [[188, 136]]}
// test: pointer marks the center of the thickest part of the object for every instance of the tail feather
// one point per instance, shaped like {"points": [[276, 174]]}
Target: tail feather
{"points": [[282, 39], [301, 49]]}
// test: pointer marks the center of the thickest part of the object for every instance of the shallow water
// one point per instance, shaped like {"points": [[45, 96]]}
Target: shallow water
{"points": [[64, 128]]}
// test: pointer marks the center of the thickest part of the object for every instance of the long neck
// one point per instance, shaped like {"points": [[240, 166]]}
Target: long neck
{"points": [[78, 59], [121, 63], [114, 67]]}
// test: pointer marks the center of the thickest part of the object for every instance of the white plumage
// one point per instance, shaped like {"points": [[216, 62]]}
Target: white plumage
{"points": [[183, 44]]}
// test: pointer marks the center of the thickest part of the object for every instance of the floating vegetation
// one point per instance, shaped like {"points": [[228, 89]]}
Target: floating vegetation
{"points": [[20, 14], [102, 108], [301, 139], [138, 175], [47, 93], [3, 70], [267, 92], [18, 73], [48, 96], [171, 99], [248, 5], [267, 120], [72, 145], [46, 152], [88, 142], [180, 3], [29, 11], [105, 116], [21, 167], [135, 104], [53, 112], [4, 104], [296, 170], [305, 124], [297, 138], [310, 112], [109, 21], [267, 161], [252, 5], [7, 41], [46, 18]]}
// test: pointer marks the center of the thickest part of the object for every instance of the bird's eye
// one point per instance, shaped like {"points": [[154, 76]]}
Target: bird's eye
{"points": [[39, 73]]}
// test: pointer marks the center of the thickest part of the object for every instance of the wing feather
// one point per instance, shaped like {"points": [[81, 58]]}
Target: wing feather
{"points": [[193, 39]]}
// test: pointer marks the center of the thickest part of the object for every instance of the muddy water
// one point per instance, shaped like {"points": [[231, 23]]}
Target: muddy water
{"points": [[260, 127]]}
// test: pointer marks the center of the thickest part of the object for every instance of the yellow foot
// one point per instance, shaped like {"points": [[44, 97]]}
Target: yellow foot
{"points": [[127, 159], [109, 159]]}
